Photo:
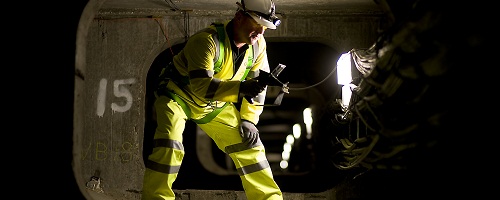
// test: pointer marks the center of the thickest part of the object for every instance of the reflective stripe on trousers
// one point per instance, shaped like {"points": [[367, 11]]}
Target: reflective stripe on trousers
{"points": [[163, 164]]}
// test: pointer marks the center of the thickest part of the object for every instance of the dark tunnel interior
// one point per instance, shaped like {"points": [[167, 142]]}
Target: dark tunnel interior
{"points": [[404, 135], [454, 158]]}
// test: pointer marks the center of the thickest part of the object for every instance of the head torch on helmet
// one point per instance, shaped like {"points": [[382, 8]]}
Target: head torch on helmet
{"points": [[262, 11]]}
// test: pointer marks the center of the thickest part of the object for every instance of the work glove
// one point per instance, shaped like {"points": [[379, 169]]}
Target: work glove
{"points": [[249, 132], [251, 87]]}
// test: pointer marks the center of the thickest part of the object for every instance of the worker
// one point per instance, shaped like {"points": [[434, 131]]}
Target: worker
{"points": [[195, 90]]}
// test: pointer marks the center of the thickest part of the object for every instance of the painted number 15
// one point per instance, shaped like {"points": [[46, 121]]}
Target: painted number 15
{"points": [[119, 90]]}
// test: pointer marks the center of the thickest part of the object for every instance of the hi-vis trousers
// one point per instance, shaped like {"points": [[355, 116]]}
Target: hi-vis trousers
{"points": [[164, 162]]}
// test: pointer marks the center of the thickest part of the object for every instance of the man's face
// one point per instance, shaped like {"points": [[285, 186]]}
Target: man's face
{"points": [[250, 31]]}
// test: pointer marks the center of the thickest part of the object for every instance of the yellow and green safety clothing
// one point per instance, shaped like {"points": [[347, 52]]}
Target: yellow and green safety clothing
{"points": [[207, 98]]}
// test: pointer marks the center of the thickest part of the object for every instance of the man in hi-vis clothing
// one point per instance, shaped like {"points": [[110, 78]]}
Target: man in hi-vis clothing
{"points": [[207, 95]]}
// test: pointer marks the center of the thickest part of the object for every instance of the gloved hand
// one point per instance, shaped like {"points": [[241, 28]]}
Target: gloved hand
{"points": [[251, 87], [249, 132]]}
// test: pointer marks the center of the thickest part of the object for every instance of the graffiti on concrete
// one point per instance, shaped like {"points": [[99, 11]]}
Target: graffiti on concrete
{"points": [[100, 151]]}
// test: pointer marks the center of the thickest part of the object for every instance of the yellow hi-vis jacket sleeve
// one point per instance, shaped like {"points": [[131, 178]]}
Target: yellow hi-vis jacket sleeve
{"points": [[196, 61]]}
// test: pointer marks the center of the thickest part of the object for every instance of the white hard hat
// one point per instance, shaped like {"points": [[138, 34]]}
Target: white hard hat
{"points": [[262, 11]]}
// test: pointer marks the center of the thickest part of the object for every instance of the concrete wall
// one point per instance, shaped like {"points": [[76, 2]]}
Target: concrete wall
{"points": [[114, 54]]}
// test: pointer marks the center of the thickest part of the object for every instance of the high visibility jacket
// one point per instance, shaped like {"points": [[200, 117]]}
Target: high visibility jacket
{"points": [[207, 90]]}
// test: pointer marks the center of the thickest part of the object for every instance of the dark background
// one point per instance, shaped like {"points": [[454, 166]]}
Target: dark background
{"points": [[42, 56]]}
